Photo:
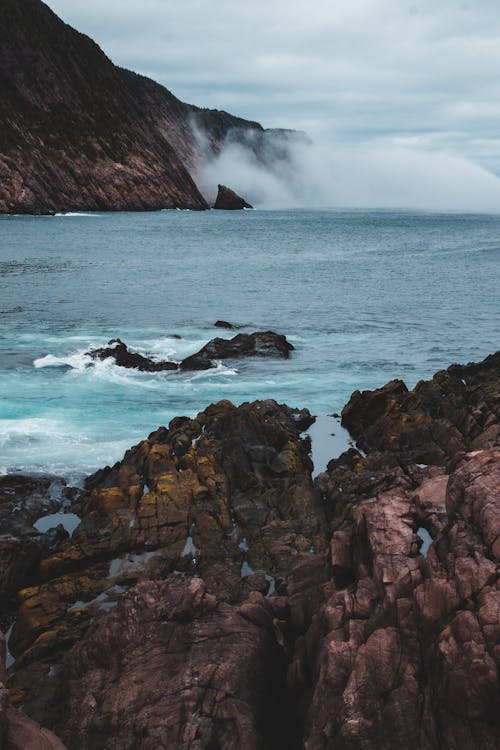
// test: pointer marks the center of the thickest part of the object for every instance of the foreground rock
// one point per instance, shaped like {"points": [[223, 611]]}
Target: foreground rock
{"points": [[404, 650], [220, 683], [214, 596], [458, 410], [123, 357], [260, 344], [23, 500], [228, 200], [17, 731], [228, 496]]}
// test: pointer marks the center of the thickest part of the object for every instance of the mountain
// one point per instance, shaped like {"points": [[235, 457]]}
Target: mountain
{"points": [[79, 133]]}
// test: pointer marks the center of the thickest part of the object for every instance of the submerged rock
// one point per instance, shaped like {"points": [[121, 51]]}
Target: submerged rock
{"points": [[228, 200], [123, 357], [224, 324], [259, 344]]}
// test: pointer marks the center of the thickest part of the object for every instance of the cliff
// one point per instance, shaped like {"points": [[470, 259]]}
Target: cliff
{"points": [[79, 133]]}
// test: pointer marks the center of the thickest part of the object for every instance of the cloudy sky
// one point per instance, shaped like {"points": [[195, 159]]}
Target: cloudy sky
{"points": [[419, 77]]}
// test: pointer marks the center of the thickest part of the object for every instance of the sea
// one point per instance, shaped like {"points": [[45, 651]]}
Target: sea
{"points": [[364, 296]]}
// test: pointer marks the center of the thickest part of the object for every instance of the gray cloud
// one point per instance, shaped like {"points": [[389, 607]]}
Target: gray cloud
{"points": [[368, 76]]}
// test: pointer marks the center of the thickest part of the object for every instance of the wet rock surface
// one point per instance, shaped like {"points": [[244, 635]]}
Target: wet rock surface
{"points": [[228, 200], [458, 410], [123, 357], [23, 500], [259, 344], [216, 596]]}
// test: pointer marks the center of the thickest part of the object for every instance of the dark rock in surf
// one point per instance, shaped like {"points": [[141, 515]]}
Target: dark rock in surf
{"points": [[224, 324], [123, 357], [259, 344], [228, 200]]}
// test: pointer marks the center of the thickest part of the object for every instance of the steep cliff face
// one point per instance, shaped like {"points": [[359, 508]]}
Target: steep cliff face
{"points": [[79, 133]]}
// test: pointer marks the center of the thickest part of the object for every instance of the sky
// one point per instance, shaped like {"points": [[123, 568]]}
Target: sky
{"points": [[388, 83]]}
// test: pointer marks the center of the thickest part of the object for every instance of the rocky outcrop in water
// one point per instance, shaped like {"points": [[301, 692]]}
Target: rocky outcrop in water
{"points": [[79, 133], [259, 344], [215, 596], [228, 200], [123, 357]]}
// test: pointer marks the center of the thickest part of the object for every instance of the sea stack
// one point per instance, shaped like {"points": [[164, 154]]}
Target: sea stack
{"points": [[228, 200]]}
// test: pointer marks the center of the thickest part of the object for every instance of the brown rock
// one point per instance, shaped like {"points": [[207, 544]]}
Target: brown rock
{"points": [[457, 410], [228, 200], [173, 667], [17, 731], [224, 496]]}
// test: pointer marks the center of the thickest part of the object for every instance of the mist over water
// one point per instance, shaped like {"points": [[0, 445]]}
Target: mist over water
{"points": [[380, 174]]}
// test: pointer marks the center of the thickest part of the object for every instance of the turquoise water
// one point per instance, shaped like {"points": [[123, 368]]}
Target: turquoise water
{"points": [[364, 296]]}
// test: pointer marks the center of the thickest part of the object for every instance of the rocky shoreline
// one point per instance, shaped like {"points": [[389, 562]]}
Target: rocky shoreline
{"points": [[217, 594]]}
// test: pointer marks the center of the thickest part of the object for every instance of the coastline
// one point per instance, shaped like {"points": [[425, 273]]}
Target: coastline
{"points": [[224, 517]]}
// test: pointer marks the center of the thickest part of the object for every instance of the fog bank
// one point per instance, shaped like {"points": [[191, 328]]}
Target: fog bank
{"points": [[377, 175]]}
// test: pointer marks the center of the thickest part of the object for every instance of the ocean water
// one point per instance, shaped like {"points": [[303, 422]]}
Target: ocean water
{"points": [[364, 296]]}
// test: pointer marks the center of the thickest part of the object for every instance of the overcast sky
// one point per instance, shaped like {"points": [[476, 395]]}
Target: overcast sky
{"points": [[422, 75]]}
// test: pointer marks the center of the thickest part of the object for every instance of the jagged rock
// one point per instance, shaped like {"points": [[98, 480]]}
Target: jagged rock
{"points": [[220, 496], [17, 731], [403, 638], [123, 357], [219, 684], [260, 344], [22, 501], [358, 611], [458, 410], [228, 200]]}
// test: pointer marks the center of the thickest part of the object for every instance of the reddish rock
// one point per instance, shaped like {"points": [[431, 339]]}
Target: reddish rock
{"points": [[173, 667], [226, 496], [405, 638], [17, 731]]}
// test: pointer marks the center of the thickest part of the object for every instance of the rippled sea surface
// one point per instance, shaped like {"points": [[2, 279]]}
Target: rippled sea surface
{"points": [[364, 296]]}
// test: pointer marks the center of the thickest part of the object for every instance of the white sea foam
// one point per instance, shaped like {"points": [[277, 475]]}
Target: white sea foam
{"points": [[72, 214], [216, 371], [77, 360]]}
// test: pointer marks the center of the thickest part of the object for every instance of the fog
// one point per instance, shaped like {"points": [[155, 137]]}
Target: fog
{"points": [[378, 175]]}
